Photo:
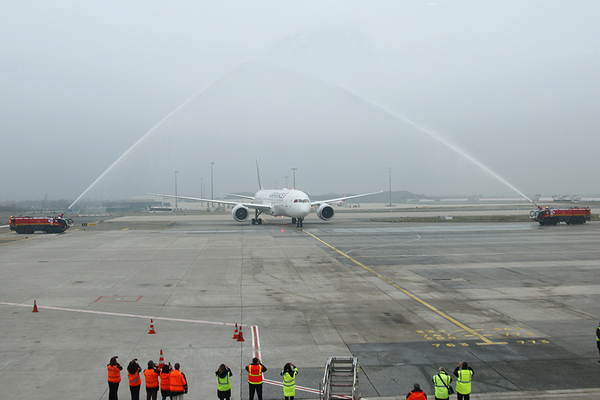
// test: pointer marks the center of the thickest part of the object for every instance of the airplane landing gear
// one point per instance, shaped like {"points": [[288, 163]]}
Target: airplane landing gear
{"points": [[299, 222], [257, 220], [293, 220]]}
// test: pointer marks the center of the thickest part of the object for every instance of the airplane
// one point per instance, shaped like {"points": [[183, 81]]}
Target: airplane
{"points": [[285, 203], [341, 202]]}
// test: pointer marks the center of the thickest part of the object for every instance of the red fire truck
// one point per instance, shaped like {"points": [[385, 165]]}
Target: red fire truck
{"points": [[56, 224], [553, 216]]}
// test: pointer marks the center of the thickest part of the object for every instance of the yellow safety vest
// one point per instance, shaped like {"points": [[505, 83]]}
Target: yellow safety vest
{"points": [[463, 382], [289, 384], [223, 383], [441, 392]]}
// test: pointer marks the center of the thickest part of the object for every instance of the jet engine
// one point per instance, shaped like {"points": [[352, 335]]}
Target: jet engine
{"points": [[325, 212], [240, 213]]}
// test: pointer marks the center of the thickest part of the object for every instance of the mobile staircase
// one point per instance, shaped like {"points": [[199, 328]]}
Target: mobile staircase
{"points": [[341, 379]]}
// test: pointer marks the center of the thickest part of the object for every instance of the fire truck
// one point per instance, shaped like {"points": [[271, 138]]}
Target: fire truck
{"points": [[57, 224], [554, 216]]}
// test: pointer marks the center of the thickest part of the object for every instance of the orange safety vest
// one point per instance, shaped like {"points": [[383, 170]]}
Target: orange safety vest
{"points": [[114, 373], [177, 382], [255, 374], [134, 379], [151, 378], [416, 396], [165, 381]]}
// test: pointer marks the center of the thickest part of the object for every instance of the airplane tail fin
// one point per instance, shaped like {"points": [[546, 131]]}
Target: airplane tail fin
{"points": [[258, 173]]}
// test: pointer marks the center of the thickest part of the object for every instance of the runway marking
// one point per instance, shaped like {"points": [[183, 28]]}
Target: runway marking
{"points": [[485, 340], [116, 299], [11, 240], [255, 336], [254, 328], [256, 342]]}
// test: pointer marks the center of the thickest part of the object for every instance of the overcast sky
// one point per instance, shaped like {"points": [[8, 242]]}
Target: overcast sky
{"points": [[341, 90]]}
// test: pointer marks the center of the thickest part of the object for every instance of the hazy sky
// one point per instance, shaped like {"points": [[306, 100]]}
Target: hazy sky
{"points": [[340, 90]]}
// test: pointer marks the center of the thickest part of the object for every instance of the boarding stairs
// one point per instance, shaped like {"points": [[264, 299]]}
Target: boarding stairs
{"points": [[340, 380]]}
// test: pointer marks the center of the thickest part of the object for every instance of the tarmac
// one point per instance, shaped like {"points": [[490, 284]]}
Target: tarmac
{"points": [[517, 301]]}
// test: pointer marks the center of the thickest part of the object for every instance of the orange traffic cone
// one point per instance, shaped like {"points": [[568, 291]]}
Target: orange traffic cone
{"points": [[161, 361], [35, 307], [241, 335], [152, 326], [235, 332]]}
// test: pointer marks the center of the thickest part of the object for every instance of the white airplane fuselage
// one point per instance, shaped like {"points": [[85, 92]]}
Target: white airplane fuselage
{"points": [[285, 203]]}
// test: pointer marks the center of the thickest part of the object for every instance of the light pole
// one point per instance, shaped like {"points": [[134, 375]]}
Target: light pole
{"points": [[294, 169], [201, 190], [176, 172], [286, 182], [390, 186], [212, 197]]}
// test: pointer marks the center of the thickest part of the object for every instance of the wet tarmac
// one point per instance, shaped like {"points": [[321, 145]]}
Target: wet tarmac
{"points": [[518, 301]]}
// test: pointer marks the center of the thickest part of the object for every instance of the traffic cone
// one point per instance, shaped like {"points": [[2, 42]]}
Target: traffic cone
{"points": [[241, 335], [35, 307], [235, 332], [152, 326], [161, 361]]}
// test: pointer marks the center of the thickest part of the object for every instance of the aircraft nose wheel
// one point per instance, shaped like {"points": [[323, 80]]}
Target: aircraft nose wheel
{"points": [[299, 223]]}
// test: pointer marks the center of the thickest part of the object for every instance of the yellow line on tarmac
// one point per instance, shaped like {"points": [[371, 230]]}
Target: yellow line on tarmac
{"points": [[9, 241], [413, 296]]}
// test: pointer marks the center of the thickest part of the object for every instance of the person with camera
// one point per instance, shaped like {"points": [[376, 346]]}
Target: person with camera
{"points": [[151, 375], [441, 384], [179, 384], [464, 375], [289, 380], [255, 378], [165, 381], [114, 377], [223, 382], [135, 381]]}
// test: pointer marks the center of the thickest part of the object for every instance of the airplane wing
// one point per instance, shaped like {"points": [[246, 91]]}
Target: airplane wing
{"points": [[262, 207], [319, 202], [241, 196]]}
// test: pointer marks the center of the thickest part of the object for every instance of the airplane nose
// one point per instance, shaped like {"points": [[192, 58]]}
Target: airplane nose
{"points": [[302, 210], [305, 209]]}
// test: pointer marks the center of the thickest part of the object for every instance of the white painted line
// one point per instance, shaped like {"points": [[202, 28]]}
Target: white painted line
{"points": [[256, 342], [119, 315], [255, 336]]}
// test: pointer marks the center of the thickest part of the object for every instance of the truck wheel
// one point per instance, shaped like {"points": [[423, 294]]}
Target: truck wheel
{"points": [[581, 220], [20, 230], [29, 230], [57, 229], [554, 220], [48, 229]]}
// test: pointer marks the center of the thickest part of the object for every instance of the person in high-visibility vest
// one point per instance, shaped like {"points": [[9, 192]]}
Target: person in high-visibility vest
{"points": [[223, 382], [289, 381], [416, 393], [135, 381], [114, 377], [151, 375], [441, 384], [165, 381], [464, 375], [179, 384], [255, 377]]}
